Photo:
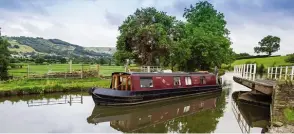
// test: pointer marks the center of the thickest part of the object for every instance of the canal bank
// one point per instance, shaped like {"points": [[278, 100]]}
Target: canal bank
{"points": [[43, 86]]}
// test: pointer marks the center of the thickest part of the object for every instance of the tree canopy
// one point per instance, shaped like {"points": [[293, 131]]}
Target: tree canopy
{"points": [[199, 43], [268, 44], [4, 59]]}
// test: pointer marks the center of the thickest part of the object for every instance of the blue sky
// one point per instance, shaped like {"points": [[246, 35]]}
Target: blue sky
{"points": [[95, 22]]}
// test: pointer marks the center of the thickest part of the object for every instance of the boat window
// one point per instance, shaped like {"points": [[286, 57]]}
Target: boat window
{"points": [[188, 80], [146, 82], [202, 80], [177, 81]]}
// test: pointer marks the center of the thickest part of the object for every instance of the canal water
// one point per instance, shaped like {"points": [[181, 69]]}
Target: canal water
{"points": [[76, 112]]}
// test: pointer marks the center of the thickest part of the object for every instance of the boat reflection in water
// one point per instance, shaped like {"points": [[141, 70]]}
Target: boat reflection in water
{"points": [[250, 115], [194, 114]]}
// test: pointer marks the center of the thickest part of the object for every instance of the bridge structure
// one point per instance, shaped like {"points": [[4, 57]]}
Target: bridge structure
{"points": [[246, 75], [275, 90]]}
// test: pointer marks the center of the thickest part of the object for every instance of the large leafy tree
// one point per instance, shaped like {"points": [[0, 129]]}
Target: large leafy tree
{"points": [[268, 44], [145, 36], [208, 37], [4, 59]]}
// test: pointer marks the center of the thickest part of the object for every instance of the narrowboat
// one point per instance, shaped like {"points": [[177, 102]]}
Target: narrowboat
{"points": [[140, 87], [138, 118]]}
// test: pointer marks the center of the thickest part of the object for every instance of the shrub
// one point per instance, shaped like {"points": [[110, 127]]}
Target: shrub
{"points": [[290, 58]]}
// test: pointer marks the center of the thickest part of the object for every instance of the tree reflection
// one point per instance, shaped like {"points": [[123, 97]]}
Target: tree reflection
{"points": [[204, 121]]}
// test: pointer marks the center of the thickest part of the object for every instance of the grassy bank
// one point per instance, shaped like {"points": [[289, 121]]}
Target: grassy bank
{"points": [[27, 86], [267, 61]]}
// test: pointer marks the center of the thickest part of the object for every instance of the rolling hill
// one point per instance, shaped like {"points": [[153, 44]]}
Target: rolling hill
{"points": [[24, 45]]}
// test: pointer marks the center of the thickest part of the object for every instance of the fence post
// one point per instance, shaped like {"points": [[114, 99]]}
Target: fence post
{"points": [[276, 72], [292, 72], [98, 69], [28, 71], [272, 72], [250, 71], [82, 72], [286, 72], [281, 70], [268, 72], [247, 71], [254, 72], [148, 69]]}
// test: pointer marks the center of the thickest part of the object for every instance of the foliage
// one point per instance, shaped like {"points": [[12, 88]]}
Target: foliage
{"points": [[289, 114], [39, 60], [145, 36], [268, 44], [290, 58], [257, 56], [4, 58], [102, 61], [16, 46], [201, 42]]}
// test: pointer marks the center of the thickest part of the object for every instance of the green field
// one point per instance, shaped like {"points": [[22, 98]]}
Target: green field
{"points": [[42, 69], [267, 62]]}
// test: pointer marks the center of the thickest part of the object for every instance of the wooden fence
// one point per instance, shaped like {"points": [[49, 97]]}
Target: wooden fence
{"points": [[49, 73]]}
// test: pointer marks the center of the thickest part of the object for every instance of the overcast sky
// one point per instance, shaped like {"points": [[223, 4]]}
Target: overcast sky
{"points": [[94, 23]]}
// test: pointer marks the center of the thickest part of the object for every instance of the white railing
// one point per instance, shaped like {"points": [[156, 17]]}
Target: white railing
{"points": [[246, 71], [150, 69], [279, 73]]}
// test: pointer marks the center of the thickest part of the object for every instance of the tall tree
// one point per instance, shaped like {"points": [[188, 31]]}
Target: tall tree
{"points": [[145, 36], [208, 37], [4, 58], [268, 44]]}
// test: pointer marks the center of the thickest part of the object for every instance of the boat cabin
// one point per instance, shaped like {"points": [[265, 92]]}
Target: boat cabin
{"points": [[158, 81]]}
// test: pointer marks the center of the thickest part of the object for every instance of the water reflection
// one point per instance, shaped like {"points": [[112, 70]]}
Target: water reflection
{"points": [[48, 99], [250, 115], [186, 115], [76, 112]]}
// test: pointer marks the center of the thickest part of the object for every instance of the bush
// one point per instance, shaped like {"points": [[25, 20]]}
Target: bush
{"points": [[257, 56], [16, 46], [260, 69], [290, 58]]}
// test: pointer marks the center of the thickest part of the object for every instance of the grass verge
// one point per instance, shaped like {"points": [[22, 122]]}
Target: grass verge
{"points": [[26, 86]]}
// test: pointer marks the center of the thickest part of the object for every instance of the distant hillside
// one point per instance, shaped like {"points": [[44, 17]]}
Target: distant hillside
{"points": [[54, 46], [110, 50]]}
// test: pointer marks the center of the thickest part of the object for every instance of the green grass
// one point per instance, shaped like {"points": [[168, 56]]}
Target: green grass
{"points": [[289, 114], [267, 62], [42, 69], [41, 86]]}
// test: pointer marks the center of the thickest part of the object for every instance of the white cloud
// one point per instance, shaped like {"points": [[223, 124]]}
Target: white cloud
{"points": [[95, 23]]}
